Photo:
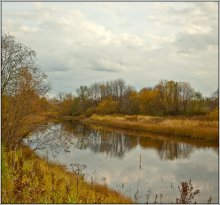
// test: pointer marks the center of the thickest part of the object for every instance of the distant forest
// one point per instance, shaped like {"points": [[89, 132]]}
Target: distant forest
{"points": [[116, 97]]}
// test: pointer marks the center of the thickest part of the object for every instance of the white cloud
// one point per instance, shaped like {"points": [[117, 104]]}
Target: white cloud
{"points": [[152, 41]]}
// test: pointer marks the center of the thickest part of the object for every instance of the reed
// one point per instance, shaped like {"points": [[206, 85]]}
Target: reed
{"points": [[192, 128]]}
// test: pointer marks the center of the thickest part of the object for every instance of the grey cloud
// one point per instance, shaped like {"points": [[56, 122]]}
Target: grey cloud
{"points": [[188, 43], [193, 8], [105, 69], [201, 27], [57, 69], [51, 63]]}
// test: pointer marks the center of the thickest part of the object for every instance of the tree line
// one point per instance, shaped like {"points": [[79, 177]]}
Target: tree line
{"points": [[116, 97]]}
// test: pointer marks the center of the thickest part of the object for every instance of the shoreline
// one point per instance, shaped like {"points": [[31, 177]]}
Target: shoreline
{"points": [[32, 177], [202, 130], [55, 183]]}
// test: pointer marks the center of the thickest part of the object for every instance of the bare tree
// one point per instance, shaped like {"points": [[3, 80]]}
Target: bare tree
{"points": [[175, 96], [14, 56], [186, 94], [23, 85]]}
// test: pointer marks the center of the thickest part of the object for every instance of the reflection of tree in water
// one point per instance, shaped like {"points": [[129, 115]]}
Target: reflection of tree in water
{"points": [[172, 150], [215, 149], [69, 134], [61, 137], [168, 150], [116, 144], [50, 138], [112, 143]]}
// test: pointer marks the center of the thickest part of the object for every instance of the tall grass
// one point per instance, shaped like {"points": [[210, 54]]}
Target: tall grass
{"points": [[28, 179], [191, 128]]}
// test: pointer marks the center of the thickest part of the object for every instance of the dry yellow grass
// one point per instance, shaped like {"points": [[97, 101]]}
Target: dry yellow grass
{"points": [[28, 179], [192, 128]]}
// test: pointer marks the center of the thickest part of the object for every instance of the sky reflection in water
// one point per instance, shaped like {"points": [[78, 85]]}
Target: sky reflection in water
{"points": [[136, 166]]}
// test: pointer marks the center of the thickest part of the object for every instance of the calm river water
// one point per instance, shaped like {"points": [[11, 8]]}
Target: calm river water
{"points": [[143, 168]]}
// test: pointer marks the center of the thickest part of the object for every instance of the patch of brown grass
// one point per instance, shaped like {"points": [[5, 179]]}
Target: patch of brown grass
{"points": [[192, 128]]}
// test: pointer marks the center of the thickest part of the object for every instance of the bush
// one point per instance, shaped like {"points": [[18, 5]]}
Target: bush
{"points": [[90, 111], [107, 106], [213, 115]]}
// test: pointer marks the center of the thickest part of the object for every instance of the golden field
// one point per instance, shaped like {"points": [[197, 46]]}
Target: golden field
{"points": [[194, 128]]}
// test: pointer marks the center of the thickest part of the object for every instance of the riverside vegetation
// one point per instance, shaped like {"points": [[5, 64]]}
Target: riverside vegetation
{"points": [[28, 179], [201, 129]]}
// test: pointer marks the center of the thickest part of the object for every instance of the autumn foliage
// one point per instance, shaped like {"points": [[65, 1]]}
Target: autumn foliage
{"points": [[167, 98], [23, 91]]}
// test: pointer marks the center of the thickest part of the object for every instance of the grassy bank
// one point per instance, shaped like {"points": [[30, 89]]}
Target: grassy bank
{"points": [[28, 179], [192, 128], [154, 137]]}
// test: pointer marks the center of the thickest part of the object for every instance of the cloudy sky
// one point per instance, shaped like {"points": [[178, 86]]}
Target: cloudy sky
{"points": [[79, 43]]}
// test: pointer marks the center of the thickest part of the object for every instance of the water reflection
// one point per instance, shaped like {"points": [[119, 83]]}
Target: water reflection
{"points": [[130, 163], [172, 150], [112, 143]]}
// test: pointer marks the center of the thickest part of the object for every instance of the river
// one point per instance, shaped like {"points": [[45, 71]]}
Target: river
{"points": [[147, 168]]}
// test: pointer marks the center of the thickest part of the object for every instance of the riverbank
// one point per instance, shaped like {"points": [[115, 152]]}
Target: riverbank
{"points": [[26, 178], [192, 128]]}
